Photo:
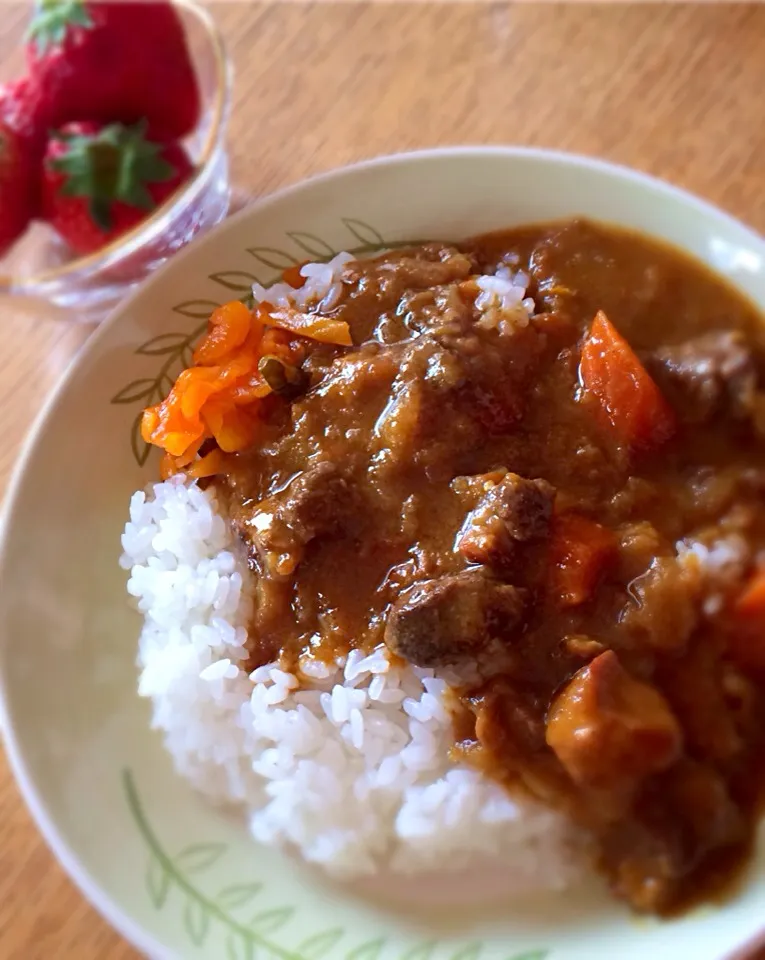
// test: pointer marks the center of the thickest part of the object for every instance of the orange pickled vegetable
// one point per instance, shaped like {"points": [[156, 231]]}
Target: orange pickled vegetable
{"points": [[229, 327], [149, 423], [168, 467], [232, 428], [281, 343], [219, 397], [194, 386], [166, 425], [258, 330], [632, 404], [235, 369], [209, 465], [190, 454], [579, 552], [249, 390], [323, 329]]}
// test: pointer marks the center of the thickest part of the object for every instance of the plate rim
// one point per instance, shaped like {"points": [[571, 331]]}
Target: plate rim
{"points": [[111, 909]]}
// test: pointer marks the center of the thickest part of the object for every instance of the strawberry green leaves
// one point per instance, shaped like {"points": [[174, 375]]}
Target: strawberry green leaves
{"points": [[53, 19], [114, 164]]}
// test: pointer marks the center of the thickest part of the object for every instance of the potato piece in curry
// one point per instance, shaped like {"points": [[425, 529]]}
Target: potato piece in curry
{"points": [[555, 491]]}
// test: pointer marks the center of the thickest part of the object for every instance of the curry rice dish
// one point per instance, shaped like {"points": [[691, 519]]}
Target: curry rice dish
{"points": [[461, 551]]}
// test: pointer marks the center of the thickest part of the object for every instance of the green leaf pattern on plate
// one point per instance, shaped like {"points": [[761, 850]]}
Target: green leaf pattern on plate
{"points": [[176, 348], [238, 895], [196, 309], [237, 280], [271, 920], [138, 445], [201, 910], [363, 232], [196, 920], [135, 390], [157, 883], [370, 950], [315, 947], [258, 939], [420, 951], [163, 344], [239, 948], [199, 856], [313, 246], [470, 951], [274, 259]]}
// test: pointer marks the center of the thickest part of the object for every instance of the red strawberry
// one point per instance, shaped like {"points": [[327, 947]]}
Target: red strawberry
{"points": [[99, 182], [22, 143], [121, 61]]}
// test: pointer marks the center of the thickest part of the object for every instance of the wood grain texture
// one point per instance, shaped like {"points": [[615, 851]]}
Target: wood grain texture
{"points": [[673, 90]]}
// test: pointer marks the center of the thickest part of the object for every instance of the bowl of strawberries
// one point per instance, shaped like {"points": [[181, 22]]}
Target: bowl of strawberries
{"points": [[112, 147]]}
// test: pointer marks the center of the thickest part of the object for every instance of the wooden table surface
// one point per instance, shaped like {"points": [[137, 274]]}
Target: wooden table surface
{"points": [[673, 90]]}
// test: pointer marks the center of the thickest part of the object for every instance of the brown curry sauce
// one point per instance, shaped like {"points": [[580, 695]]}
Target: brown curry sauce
{"points": [[368, 507]]}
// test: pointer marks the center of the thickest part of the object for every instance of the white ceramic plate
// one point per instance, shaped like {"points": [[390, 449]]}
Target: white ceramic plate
{"points": [[177, 878]]}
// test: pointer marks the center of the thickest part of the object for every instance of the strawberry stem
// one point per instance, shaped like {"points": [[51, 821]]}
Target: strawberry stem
{"points": [[115, 165], [53, 18]]}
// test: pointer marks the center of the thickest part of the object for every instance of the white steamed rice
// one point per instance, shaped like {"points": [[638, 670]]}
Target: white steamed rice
{"points": [[346, 765], [502, 295], [321, 290]]}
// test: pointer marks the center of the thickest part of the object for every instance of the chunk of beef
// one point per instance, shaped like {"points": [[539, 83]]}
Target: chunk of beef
{"points": [[377, 291], [707, 375], [440, 311], [467, 617], [317, 502], [549, 289], [609, 729], [433, 266], [473, 391], [426, 392], [514, 511]]}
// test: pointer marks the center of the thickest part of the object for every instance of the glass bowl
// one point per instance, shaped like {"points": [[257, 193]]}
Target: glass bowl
{"points": [[84, 288]]}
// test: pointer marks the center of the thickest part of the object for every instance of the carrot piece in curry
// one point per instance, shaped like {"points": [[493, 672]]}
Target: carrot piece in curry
{"points": [[613, 375], [579, 552], [746, 642]]}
